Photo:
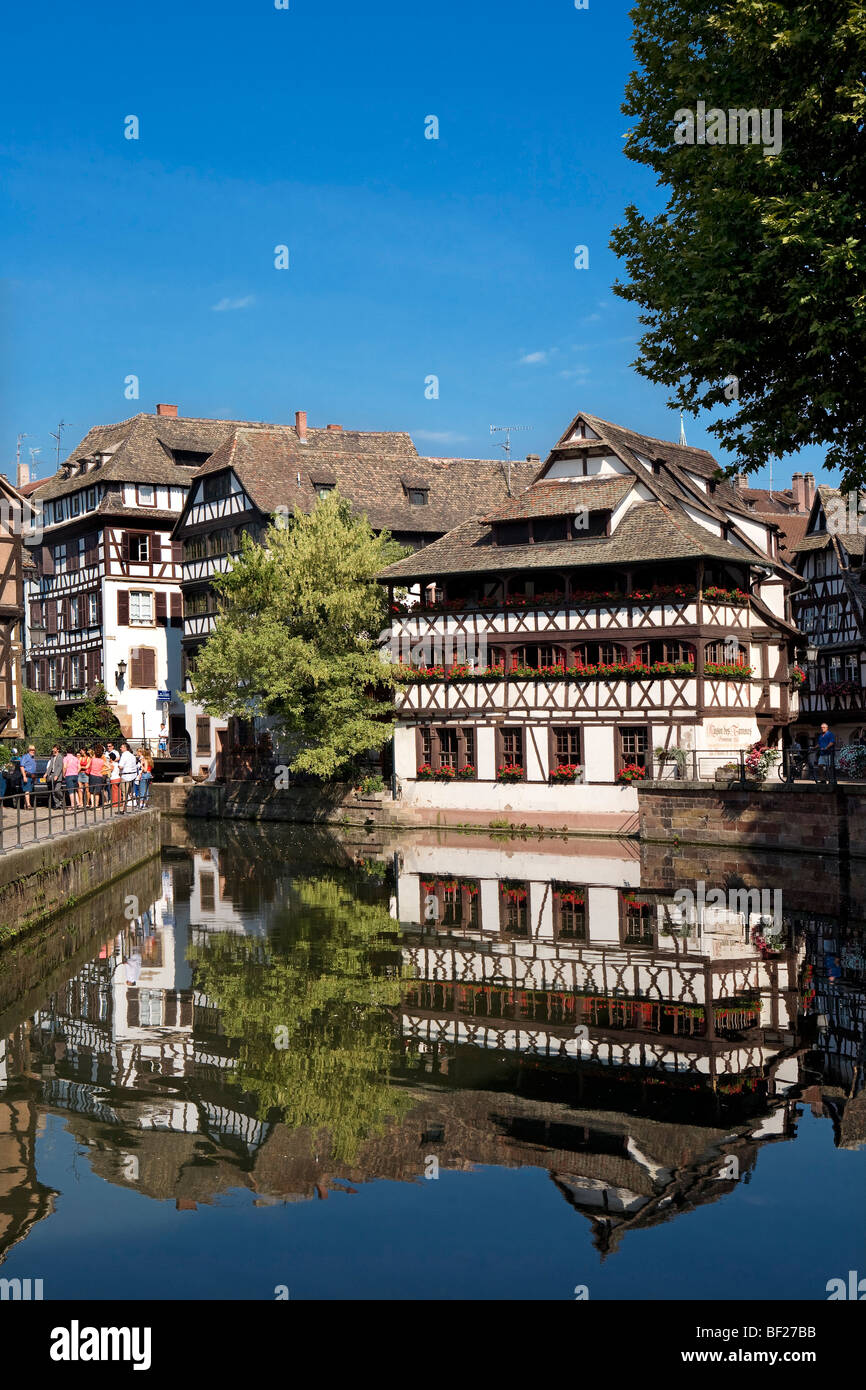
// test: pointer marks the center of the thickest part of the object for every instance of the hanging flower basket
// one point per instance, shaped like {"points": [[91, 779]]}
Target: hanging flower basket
{"points": [[570, 895], [513, 892], [798, 677]]}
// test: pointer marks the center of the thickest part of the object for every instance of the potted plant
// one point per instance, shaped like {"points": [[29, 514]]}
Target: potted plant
{"points": [[425, 773], [467, 773], [673, 757]]}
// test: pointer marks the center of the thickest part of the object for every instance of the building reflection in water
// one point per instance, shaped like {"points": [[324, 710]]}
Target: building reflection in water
{"points": [[517, 1005]]}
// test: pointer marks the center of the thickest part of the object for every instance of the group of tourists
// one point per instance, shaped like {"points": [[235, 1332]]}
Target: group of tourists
{"points": [[99, 775]]}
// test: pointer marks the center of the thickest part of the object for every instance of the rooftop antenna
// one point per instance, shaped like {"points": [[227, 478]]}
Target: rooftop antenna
{"points": [[63, 425], [682, 429], [18, 452], [506, 430], [33, 462]]}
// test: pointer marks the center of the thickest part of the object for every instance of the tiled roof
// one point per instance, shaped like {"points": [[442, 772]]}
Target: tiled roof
{"points": [[792, 529], [761, 499], [648, 532], [141, 452], [371, 470], [562, 498]]}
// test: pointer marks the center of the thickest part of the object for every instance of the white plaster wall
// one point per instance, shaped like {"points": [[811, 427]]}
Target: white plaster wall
{"points": [[485, 752], [522, 796], [598, 754]]}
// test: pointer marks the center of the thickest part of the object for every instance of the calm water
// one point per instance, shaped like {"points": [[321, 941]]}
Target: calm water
{"points": [[465, 1068]]}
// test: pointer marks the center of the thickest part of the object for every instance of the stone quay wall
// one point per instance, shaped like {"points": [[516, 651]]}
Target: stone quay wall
{"points": [[804, 819], [49, 876]]}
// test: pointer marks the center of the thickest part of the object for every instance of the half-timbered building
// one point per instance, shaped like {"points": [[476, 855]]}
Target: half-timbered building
{"points": [[258, 472], [830, 610], [14, 522], [104, 605], [627, 601]]}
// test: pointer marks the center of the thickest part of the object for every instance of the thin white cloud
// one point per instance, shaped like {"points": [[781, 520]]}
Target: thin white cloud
{"points": [[441, 437], [575, 373], [531, 359], [227, 303]]}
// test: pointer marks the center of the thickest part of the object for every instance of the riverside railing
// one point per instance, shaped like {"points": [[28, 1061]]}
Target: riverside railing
{"points": [[21, 825], [731, 768]]}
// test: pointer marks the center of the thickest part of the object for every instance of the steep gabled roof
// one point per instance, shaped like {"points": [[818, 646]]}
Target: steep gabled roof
{"points": [[374, 471], [562, 498]]}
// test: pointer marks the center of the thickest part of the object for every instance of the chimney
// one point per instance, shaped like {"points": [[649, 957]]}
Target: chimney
{"points": [[23, 477], [170, 410], [301, 425], [809, 485], [799, 490], [533, 458], [335, 427]]}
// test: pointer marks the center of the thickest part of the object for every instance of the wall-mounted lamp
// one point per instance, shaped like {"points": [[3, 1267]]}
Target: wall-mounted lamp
{"points": [[121, 671]]}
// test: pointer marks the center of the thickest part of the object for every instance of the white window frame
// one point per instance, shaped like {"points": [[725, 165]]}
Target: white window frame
{"points": [[140, 621]]}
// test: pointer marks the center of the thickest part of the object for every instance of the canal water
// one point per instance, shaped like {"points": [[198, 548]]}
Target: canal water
{"points": [[450, 1067]]}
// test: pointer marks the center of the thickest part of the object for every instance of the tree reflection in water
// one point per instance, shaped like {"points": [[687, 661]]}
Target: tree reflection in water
{"points": [[311, 1012]]}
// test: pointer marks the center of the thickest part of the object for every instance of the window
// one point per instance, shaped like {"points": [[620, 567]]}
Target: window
{"points": [[449, 902], [537, 657], [820, 564], [729, 651], [322, 489], [141, 606], [425, 745], [76, 672], [58, 509], [514, 908], [52, 673], [146, 495], [418, 496], [60, 557], [550, 528], [569, 911], [566, 747], [75, 612], [207, 887], [633, 745], [852, 667], [510, 750], [513, 533], [92, 610], [220, 542], [636, 919], [595, 653], [196, 605], [447, 747], [142, 668], [202, 735], [91, 499], [75, 501], [195, 548], [138, 547], [215, 488], [666, 650]]}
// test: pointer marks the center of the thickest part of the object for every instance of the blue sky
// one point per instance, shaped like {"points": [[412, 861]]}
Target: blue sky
{"points": [[409, 257]]}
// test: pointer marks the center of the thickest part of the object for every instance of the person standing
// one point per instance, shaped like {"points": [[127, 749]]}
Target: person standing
{"points": [[14, 781], [113, 775], [28, 774], [127, 767], [54, 775], [145, 779], [96, 785], [71, 769], [826, 749], [84, 775]]}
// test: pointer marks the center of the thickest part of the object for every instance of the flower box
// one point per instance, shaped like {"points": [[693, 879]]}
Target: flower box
{"points": [[567, 772], [509, 772], [716, 595], [631, 773]]}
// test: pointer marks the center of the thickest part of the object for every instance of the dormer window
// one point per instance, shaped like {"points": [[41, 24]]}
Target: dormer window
{"points": [[323, 489], [419, 496]]}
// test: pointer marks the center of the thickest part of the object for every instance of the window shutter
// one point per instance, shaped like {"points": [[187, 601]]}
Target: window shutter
{"points": [[99, 608], [177, 553], [42, 663], [123, 608], [47, 566], [161, 612], [72, 555], [135, 666], [91, 548], [177, 605], [154, 544], [124, 547], [51, 615], [35, 614], [148, 668]]}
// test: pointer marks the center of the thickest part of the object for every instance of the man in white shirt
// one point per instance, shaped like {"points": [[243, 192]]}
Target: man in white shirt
{"points": [[127, 773]]}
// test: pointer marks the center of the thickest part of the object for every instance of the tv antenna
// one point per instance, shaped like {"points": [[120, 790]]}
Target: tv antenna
{"points": [[507, 430], [63, 425]]}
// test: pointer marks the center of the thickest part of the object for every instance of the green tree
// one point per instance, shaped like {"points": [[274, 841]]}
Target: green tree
{"points": [[310, 1013], [41, 724], [93, 721], [753, 277], [297, 637]]}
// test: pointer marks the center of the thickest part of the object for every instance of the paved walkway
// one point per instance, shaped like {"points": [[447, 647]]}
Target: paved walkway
{"points": [[22, 827]]}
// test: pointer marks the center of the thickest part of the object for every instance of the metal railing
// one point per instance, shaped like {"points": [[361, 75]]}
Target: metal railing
{"points": [[732, 768], [22, 825]]}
